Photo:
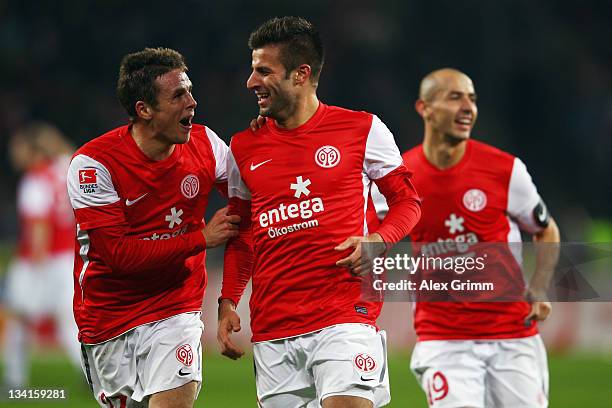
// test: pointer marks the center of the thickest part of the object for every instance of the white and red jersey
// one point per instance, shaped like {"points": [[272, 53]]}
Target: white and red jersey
{"points": [[486, 197], [42, 197], [300, 193], [140, 252]]}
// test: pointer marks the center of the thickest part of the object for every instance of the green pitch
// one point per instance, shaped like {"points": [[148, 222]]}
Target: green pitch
{"points": [[576, 381]]}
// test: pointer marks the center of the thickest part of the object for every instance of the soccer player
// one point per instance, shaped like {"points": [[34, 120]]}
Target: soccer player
{"points": [[477, 354], [300, 185], [38, 279], [139, 193]]}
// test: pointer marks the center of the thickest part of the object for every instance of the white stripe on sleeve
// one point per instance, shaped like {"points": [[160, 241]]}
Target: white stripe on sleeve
{"points": [[381, 155], [522, 197], [220, 150], [235, 184]]}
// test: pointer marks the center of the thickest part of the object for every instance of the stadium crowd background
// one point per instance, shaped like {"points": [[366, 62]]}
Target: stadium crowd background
{"points": [[543, 72]]}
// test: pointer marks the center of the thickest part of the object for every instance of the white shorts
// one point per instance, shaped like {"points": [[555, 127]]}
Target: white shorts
{"points": [[151, 358], [345, 359], [510, 373], [46, 288]]}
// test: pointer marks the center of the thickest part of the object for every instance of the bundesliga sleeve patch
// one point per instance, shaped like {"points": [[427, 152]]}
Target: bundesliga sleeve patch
{"points": [[88, 176], [88, 181]]}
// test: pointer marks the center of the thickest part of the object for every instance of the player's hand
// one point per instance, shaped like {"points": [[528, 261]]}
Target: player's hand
{"points": [[257, 123], [229, 322], [540, 306], [220, 228], [357, 263]]}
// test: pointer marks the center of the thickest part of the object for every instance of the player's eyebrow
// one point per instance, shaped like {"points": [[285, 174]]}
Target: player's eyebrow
{"points": [[459, 94], [182, 89], [262, 70]]}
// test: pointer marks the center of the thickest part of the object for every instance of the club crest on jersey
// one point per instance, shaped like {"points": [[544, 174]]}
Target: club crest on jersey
{"points": [[184, 354], [190, 186], [327, 156], [364, 362], [88, 180], [474, 200]]}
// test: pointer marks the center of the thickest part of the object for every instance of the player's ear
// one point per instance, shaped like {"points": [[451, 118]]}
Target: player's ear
{"points": [[301, 74], [420, 106], [143, 111]]}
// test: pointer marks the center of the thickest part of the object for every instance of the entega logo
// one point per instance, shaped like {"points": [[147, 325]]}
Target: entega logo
{"points": [[174, 218], [304, 209], [460, 243], [155, 236]]}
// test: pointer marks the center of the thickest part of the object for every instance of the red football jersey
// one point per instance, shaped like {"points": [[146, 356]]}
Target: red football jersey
{"points": [[305, 191], [155, 267], [42, 196], [486, 197]]}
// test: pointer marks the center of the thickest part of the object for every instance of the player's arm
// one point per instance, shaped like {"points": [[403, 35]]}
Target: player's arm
{"points": [[404, 205], [383, 165], [35, 205], [102, 226], [547, 253], [132, 257], [238, 262], [40, 238], [527, 208]]}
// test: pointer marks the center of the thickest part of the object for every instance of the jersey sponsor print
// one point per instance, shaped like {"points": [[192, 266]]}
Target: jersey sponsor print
{"points": [[485, 198], [305, 191]]}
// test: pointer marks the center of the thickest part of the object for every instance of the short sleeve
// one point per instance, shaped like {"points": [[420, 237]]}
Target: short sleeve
{"points": [[92, 194], [235, 184], [35, 197], [381, 154], [523, 197], [220, 151]]}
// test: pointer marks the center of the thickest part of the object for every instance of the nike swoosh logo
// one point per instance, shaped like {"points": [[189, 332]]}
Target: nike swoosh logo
{"points": [[255, 166], [132, 202], [367, 379], [182, 374]]}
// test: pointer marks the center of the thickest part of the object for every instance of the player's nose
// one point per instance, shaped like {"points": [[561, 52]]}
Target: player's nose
{"points": [[253, 80], [192, 103], [468, 105]]}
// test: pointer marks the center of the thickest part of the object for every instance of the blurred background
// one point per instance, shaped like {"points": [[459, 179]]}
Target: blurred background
{"points": [[542, 71]]}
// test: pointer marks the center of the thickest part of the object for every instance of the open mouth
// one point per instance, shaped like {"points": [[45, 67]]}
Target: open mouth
{"points": [[262, 96], [186, 121], [464, 122]]}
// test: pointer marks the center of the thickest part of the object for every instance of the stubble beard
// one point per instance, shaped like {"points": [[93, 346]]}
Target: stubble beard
{"points": [[280, 109]]}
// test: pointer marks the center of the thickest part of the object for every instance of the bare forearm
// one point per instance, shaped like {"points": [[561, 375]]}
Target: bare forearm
{"points": [[40, 236], [547, 254]]}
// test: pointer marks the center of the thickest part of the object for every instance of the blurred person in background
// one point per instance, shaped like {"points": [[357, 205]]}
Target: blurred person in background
{"points": [[38, 281], [477, 354]]}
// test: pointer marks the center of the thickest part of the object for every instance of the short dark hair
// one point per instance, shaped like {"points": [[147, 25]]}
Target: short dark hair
{"points": [[138, 72], [299, 40]]}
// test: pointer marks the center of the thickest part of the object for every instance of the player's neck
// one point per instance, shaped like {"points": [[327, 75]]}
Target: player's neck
{"points": [[443, 153], [305, 109], [152, 147]]}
